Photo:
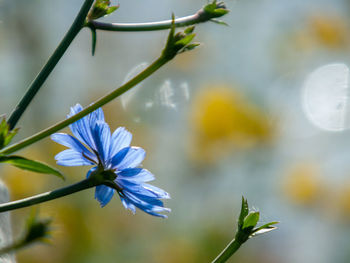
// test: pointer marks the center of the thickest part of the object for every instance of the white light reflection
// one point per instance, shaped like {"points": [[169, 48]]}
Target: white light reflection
{"points": [[166, 93], [127, 96], [325, 96]]}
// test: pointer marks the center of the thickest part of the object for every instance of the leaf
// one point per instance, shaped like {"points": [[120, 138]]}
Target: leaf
{"points": [[251, 220], [191, 47], [220, 11], [112, 9], [265, 228], [244, 212], [6, 135], [189, 30], [263, 231], [30, 165], [185, 41], [94, 40], [219, 22]]}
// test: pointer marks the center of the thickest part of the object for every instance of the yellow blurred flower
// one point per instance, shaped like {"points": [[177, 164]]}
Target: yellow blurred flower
{"points": [[331, 31], [323, 31], [303, 184], [222, 120]]}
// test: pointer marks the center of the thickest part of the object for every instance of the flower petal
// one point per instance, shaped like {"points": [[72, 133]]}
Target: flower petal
{"points": [[102, 137], [142, 189], [129, 157], [145, 206], [82, 128], [96, 116], [103, 194], [71, 158], [135, 175], [93, 169], [71, 142], [128, 205], [121, 138]]}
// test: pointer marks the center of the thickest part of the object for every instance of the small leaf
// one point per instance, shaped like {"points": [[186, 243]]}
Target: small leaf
{"points": [[112, 9], [266, 226], [263, 231], [251, 220], [93, 40], [219, 22], [185, 41], [220, 11], [189, 30], [30, 165], [244, 212], [6, 135], [190, 47]]}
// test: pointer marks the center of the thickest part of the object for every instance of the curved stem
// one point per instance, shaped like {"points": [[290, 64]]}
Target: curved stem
{"points": [[150, 26], [231, 248], [199, 17], [44, 197], [34, 87], [99, 103]]}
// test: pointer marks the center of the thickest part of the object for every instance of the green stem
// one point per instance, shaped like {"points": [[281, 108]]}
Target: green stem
{"points": [[44, 197], [199, 17], [34, 87], [99, 103], [12, 247], [231, 248]]}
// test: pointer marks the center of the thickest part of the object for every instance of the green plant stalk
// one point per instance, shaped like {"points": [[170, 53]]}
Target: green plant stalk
{"points": [[231, 248], [34, 87], [196, 18], [44, 197], [11, 248], [99, 103]]}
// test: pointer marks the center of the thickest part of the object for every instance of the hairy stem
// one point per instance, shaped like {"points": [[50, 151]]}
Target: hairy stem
{"points": [[34, 87], [44, 197], [99, 103], [231, 248]]}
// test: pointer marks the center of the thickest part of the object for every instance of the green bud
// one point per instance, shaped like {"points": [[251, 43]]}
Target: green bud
{"points": [[6, 135], [179, 42], [101, 8]]}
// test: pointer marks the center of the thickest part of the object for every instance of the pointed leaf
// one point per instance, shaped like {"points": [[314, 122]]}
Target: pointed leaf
{"points": [[266, 226], [93, 40], [190, 47], [244, 212], [189, 30], [6, 135], [263, 231], [220, 22], [112, 9], [30, 165], [185, 41]]}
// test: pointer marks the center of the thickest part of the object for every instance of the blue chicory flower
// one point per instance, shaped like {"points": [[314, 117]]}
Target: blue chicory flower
{"points": [[94, 144]]}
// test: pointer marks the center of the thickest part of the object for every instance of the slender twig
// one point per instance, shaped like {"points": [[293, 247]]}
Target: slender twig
{"points": [[34, 87], [150, 26], [44, 197], [99, 103]]}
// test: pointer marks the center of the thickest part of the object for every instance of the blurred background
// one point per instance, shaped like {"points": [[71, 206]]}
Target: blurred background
{"points": [[261, 109]]}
